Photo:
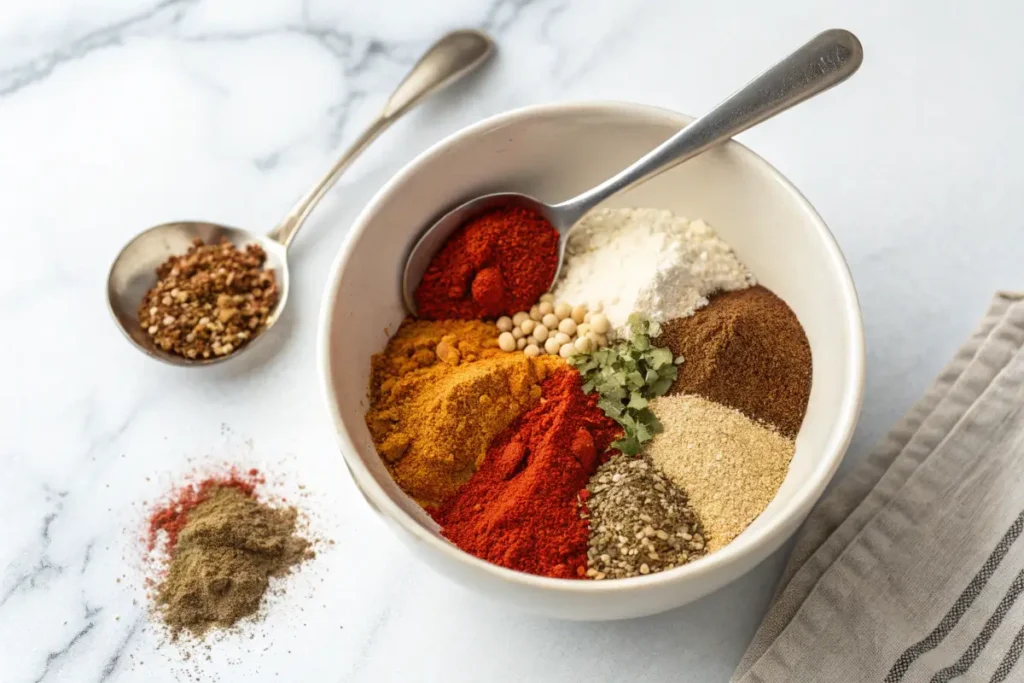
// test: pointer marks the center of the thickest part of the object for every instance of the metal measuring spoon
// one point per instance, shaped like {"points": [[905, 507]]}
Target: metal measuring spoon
{"points": [[134, 270], [827, 60]]}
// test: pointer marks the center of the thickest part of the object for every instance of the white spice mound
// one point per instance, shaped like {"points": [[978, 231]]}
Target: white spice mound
{"points": [[647, 261], [729, 466]]}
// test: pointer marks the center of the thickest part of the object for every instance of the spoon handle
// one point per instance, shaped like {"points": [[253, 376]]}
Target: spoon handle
{"points": [[827, 60], [448, 60]]}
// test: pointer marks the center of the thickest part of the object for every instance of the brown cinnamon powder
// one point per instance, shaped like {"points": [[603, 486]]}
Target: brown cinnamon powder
{"points": [[746, 350]]}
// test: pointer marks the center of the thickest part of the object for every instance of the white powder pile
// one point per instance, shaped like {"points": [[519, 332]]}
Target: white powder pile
{"points": [[647, 261]]}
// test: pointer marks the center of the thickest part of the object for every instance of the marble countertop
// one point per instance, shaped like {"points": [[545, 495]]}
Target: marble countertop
{"points": [[115, 115]]}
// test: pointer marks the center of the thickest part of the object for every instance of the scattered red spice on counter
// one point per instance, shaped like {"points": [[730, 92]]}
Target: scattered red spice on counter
{"points": [[224, 545], [172, 516], [496, 264], [520, 509]]}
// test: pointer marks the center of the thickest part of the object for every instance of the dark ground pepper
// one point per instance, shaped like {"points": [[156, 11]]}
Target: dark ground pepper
{"points": [[748, 351]]}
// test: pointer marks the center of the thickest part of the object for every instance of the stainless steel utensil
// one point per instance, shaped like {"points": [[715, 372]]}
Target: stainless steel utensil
{"points": [[133, 272], [827, 60]]}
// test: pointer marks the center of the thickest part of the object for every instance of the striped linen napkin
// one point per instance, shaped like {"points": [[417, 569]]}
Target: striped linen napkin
{"points": [[910, 569]]}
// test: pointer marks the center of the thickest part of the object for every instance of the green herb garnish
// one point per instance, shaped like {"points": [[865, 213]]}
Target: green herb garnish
{"points": [[627, 375]]}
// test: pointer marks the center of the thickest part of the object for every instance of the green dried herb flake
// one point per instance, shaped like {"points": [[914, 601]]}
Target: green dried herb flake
{"points": [[625, 376]]}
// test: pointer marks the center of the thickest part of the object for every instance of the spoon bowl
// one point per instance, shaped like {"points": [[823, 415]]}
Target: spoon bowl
{"points": [[431, 241], [133, 273]]}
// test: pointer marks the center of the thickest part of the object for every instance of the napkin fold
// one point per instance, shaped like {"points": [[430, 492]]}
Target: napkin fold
{"points": [[912, 567]]}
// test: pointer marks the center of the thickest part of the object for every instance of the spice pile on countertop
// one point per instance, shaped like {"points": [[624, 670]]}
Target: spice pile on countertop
{"points": [[210, 301], [634, 419], [223, 546], [170, 517]]}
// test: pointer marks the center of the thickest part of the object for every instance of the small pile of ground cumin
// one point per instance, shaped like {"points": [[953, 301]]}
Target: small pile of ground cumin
{"points": [[440, 392], [227, 547]]}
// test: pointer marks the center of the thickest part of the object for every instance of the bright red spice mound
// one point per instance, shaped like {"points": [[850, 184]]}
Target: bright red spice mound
{"points": [[520, 509], [496, 264], [172, 516], [488, 288]]}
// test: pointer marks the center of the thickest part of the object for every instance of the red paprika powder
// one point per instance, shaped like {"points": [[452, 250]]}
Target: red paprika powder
{"points": [[520, 508], [499, 263]]}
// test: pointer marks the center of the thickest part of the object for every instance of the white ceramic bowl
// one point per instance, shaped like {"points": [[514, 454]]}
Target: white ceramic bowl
{"points": [[552, 152]]}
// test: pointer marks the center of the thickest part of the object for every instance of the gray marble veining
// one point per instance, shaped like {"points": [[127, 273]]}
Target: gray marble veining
{"points": [[117, 114]]}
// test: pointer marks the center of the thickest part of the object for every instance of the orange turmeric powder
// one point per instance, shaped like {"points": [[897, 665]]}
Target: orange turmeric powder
{"points": [[440, 392]]}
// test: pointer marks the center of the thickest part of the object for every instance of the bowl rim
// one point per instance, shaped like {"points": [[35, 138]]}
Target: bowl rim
{"points": [[771, 535]]}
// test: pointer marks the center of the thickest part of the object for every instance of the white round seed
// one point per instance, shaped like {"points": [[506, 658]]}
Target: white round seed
{"points": [[506, 342], [599, 323]]}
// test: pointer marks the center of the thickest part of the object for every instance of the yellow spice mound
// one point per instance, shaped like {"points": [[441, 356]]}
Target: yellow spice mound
{"points": [[440, 392]]}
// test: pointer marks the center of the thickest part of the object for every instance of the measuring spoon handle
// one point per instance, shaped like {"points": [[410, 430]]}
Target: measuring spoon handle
{"points": [[448, 60], [827, 60]]}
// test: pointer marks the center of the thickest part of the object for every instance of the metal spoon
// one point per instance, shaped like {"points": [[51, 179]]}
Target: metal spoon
{"points": [[828, 59], [134, 270]]}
